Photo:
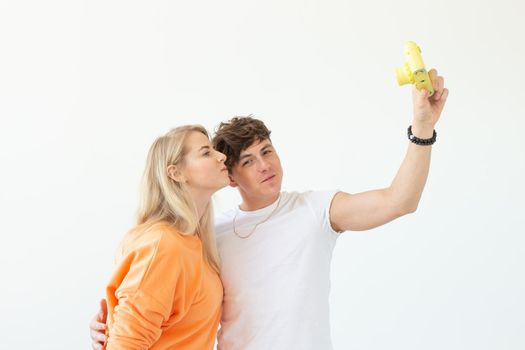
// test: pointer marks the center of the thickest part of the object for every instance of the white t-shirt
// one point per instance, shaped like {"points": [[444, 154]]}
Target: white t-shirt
{"points": [[277, 281]]}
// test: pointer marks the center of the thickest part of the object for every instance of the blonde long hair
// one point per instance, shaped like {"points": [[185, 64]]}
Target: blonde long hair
{"points": [[164, 199]]}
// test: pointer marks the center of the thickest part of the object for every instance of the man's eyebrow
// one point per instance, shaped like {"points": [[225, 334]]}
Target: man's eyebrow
{"points": [[246, 155], [265, 147], [203, 147]]}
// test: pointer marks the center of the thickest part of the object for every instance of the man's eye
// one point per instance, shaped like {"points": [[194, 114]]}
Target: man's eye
{"points": [[207, 153], [247, 162]]}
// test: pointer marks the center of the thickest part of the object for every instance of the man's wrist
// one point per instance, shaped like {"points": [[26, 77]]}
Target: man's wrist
{"points": [[422, 131]]}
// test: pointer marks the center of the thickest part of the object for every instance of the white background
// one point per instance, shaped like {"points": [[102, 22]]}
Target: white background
{"points": [[86, 86]]}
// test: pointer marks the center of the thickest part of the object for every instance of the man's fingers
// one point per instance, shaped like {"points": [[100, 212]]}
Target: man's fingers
{"points": [[438, 85], [432, 74], [98, 340], [97, 337], [98, 326], [97, 346], [440, 104], [103, 312], [104, 305], [444, 96], [420, 95], [101, 316]]}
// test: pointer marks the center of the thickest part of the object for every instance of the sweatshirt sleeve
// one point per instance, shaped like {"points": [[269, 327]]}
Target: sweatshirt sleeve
{"points": [[146, 297]]}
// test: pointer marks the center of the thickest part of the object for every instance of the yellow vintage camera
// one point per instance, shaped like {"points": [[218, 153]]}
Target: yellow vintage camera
{"points": [[414, 71]]}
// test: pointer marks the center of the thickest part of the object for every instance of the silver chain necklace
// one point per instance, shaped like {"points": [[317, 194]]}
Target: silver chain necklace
{"points": [[257, 224]]}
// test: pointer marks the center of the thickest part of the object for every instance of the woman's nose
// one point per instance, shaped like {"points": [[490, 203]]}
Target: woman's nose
{"points": [[221, 157]]}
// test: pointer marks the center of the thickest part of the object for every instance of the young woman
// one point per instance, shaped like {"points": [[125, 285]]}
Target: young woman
{"points": [[165, 292]]}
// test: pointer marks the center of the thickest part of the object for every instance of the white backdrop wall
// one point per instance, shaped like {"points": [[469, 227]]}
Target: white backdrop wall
{"points": [[86, 86]]}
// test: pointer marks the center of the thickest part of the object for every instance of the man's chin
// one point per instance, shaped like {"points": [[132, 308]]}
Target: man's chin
{"points": [[272, 191]]}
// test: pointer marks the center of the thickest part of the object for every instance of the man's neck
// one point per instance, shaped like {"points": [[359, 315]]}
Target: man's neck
{"points": [[251, 204]]}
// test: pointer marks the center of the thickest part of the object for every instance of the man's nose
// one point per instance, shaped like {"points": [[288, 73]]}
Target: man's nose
{"points": [[263, 165]]}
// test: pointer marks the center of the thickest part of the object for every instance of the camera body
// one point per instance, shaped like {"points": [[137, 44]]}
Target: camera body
{"points": [[414, 71]]}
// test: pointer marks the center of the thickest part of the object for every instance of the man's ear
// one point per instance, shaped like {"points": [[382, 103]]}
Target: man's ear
{"points": [[175, 174], [232, 181]]}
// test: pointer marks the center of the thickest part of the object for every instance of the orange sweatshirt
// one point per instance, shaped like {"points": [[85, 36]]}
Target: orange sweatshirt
{"points": [[162, 295]]}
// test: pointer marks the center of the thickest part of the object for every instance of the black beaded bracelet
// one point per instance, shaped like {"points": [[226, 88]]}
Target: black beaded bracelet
{"points": [[421, 142]]}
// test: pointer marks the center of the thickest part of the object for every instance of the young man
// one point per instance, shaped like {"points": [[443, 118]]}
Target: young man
{"points": [[276, 247]]}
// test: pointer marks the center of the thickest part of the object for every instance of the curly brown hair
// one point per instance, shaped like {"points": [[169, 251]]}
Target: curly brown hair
{"points": [[236, 135]]}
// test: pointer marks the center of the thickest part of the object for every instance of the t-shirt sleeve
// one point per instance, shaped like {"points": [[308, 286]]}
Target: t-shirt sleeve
{"points": [[146, 296], [320, 202]]}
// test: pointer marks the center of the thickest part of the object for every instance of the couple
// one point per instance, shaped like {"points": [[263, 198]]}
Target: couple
{"points": [[272, 252]]}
